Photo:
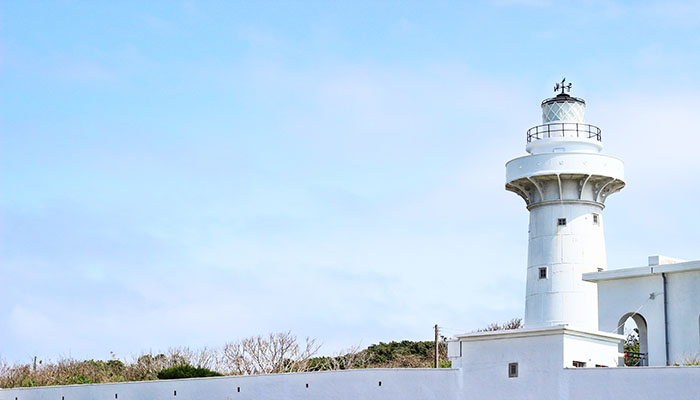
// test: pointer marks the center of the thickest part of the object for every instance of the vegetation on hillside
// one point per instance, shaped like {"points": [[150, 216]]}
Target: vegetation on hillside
{"points": [[274, 353], [404, 354], [186, 371]]}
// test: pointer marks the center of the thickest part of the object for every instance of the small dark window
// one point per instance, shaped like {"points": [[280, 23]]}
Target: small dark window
{"points": [[239, 388], [579, 364], [513, 370], [543, 272], [596, 219], [380, 383], [307, 385], [115, 395], [174, 392], [561, 222]]}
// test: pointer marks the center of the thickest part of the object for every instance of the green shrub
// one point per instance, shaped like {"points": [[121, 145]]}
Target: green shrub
{"points": [[186, 371], [383, 352]]}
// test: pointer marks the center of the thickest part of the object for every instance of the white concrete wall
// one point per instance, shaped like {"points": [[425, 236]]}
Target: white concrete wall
{"points": [[490, 381], [617, 298], [418, 384], [677, 383], [590, 349], [683, 315], [483, 359], [484, 368]]}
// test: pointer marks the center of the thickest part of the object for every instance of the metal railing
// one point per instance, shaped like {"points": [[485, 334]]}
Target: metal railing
{"points": [[633, 359], [563, 129]]}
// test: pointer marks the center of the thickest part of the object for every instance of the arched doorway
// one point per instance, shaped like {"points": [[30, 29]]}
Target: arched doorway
{"points": [[636, 348]]}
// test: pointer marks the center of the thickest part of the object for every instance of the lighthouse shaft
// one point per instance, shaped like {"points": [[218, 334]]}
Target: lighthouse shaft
{"points": [[564, 182], [565, 240]]}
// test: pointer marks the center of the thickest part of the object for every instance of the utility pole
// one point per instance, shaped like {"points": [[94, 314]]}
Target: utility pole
{"points": [[437, 348]]}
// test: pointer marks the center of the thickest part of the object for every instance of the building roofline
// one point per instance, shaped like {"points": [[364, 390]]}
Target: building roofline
{"points": [[637, 272], [538, 332]]}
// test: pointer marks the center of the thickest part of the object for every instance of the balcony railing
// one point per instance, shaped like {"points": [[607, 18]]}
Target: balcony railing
{"points": [[563, 129], [633, 359]]}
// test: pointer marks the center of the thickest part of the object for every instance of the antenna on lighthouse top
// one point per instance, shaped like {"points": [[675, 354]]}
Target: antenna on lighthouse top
{"points": [[561, 86]]}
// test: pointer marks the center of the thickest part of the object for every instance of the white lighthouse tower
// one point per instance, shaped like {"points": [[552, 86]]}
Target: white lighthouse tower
{"points": [[564, 181]]}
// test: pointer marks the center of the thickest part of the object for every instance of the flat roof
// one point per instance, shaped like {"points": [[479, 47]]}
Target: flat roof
{"points": [[637, 272], [538, 332]]}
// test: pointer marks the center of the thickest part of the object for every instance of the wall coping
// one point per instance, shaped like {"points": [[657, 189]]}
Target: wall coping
{"points": [[637, 272], [539, 332]]}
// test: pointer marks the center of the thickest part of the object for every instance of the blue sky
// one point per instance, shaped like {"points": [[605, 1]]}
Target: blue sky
{"points": [[188, 173]]}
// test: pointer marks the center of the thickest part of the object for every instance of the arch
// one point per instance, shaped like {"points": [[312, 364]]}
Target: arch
{"points": [[641, 323]]}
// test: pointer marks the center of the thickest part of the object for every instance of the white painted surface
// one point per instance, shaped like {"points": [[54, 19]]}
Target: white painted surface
{"points": [[565, 252], [549, 349], [484, 366], [419, 384], [564, 142], [489, 381], [565, 163], [541, 355], [626, 291], [661, 260], [596, 350], [630, 383], [571, 186]]}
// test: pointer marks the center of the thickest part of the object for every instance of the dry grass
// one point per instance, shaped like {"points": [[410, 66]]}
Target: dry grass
{"points": [[691, 360], [277, 352], [273, 353]]}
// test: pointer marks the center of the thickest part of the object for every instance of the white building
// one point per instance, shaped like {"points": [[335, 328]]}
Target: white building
{"points": [[575, 309], [663, 299]]}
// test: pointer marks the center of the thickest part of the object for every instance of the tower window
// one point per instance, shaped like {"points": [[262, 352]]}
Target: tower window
{"points": [[513, 370], [561, 222], [596, 219], [543, 272]]}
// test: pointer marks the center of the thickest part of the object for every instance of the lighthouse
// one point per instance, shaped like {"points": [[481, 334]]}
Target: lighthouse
{"points": [[565, 181]]}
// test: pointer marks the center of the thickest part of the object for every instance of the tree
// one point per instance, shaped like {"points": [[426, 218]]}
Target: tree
{"points": [[274, 353], [632, 346], [515, 323]]}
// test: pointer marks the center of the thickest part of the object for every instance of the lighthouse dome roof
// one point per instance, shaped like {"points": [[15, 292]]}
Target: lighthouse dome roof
{"points": [[563, 108]]}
